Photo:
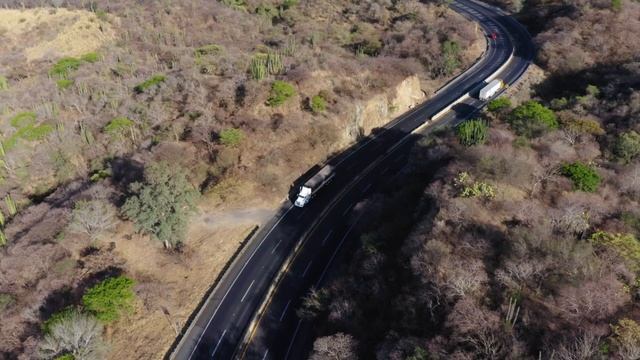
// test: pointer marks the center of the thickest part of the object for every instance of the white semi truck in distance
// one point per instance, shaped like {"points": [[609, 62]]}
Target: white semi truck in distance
{"points": [[491, 89], [311, 187]]}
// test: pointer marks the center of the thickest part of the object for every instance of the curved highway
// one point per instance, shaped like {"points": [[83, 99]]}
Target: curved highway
{"points": [[251, 313]]}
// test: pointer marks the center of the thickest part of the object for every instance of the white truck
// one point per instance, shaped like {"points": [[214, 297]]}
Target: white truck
{"points": [[311, 187], [491, 89]]}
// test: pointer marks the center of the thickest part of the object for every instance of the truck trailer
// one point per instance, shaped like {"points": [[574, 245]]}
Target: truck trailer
{"points": [[313, 185], [491, 89]]}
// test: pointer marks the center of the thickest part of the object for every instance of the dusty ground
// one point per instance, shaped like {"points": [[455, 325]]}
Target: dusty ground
{"points": [[50, 33], [169, 286]]}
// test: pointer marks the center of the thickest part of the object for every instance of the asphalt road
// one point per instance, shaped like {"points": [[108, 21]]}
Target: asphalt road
{"points": [[321, 228]]}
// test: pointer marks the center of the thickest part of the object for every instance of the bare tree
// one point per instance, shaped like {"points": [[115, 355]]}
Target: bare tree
{"points": [[572, 219], [542, 177], [77, 334], [584, 346], [93, 218], [339, 346]]}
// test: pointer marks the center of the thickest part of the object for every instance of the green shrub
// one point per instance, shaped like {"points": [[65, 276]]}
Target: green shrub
{"points": [[64, 66], [4, 83], [472, 132], [559, 103], [450, 57], [152, 81], [627, 336], [64, 83], [231, 137], [369, 47], [499, 104], [267, 11], [469, 188], [288, 4], [592, 90], [210, 49], [632, 220], [118, 126], [532, 119], [91, 57], [240, 5], [281, 91], [626, 245], [23, 119], [109, 299], [627, 146], [582, 126], [583, 176], [419, 354], [616, 5], [57, 318], [318, 104], [26, 130], [160, 205], [6, 300], [479, 189], [65, 357], [36, 133], [102, 15]]}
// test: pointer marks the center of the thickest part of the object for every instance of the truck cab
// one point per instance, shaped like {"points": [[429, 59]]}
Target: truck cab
{"points": [[313, 185], [303, 196]]}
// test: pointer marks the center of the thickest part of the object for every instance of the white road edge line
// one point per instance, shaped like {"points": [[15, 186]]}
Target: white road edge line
{"points": [[218, 344], [265, 354], [335, 252], [307, 268], [276, 247], [236, 279], [324, 241], [347, 210], [246, 292], [367, 188], [295, 333], [284, 312]]}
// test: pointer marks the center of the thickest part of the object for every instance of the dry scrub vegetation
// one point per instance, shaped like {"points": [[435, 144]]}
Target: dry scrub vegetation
{"points": [[525, 244], [106, 107]]}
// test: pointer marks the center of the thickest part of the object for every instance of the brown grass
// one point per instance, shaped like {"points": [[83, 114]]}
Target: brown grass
{"points": [[170, 286], [50, 33]]}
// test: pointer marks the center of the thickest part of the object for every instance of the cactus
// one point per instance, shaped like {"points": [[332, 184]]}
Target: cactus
{"points": [[11, 205], [258, 68], [1, 219], [3, 238], [274, 63], [512, 313], [291, 47], [86, 134]]}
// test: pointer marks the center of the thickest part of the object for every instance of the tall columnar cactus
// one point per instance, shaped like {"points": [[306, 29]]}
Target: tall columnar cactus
{"points": [[291, 47], [512, 313], [11, 205], [274, 63], [86, 134], [258, 68]]}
